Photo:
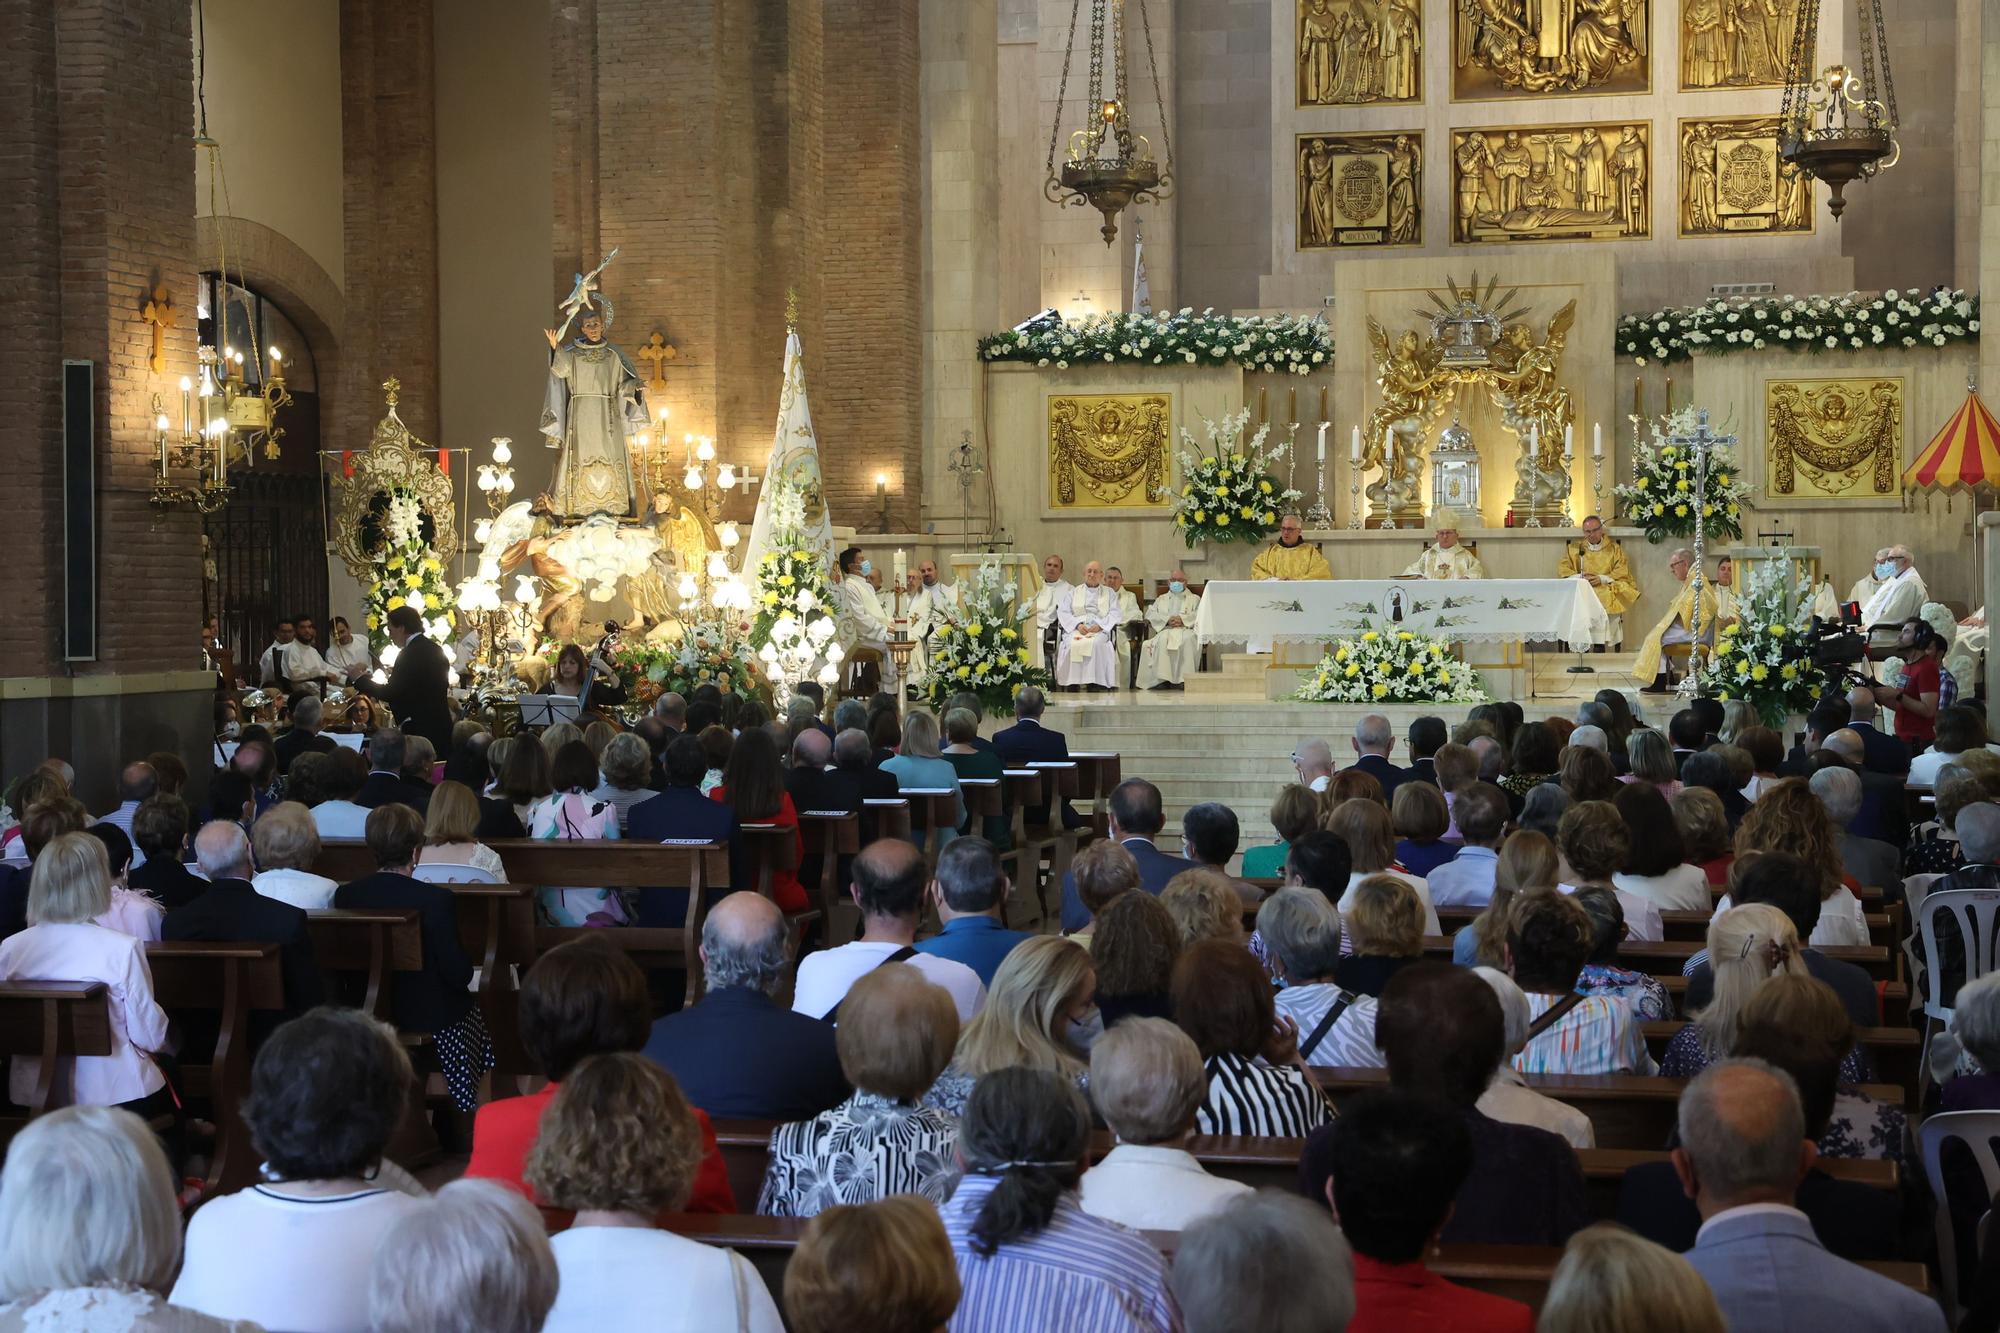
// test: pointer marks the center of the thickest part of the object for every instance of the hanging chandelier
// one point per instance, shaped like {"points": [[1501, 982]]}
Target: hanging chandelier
{"points": [[1838, 126], [1107, 166]]}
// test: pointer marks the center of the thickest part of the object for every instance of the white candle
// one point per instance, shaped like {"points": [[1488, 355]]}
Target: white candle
{"points": [[1535, 439], [1354, 447], [1322, 441], [1597, 440], [901, 564], [1568, 440]]}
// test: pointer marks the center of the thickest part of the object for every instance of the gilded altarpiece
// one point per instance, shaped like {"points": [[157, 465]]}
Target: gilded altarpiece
{"points": [[1736, 43], [1733, 183], [1551, 183], [1834, 440], [1109, 451], [1543, 48], [1360, 190], [1353, 52]]}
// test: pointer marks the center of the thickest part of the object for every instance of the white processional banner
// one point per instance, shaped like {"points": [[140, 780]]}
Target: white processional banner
{"points": [[1456, 610]]}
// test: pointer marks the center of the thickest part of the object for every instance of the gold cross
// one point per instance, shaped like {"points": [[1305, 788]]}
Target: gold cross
{"points": [[390, 387], [160, 313], [658, 351]]}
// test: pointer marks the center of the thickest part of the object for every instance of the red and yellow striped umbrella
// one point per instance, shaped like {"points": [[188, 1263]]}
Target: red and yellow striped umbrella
{"points": [[1965, 455]]}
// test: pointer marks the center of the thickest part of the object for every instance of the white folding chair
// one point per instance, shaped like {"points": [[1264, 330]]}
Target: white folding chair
{"points": [[444, 872], [1976, 1130], [1976, 912]]}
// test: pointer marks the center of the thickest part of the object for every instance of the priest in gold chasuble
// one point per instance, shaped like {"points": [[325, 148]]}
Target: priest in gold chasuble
{"points": [[591, 413], [1291, 556], [1599, 560], [1678, 625]]}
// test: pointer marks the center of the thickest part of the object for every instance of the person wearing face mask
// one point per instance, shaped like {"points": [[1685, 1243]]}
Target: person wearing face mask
{"points": [[967, 891], [1171, 651], [1599, 560], [1054, 592], [1087, 656], [1899, 594], [863, 624], [932, 606]]}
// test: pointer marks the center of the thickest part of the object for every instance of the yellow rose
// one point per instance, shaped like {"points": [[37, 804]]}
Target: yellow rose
{"points": [[771, 598], [1222, 520], [1201, 516], [1791, 671], [1353, 670], [1416, 668], [395, 602], [1370, 636], [1009, 634], [414, 581], [1681, 484], [786, 580], [1405, 636], [1340, 655], [975, 629], [1732, 511], [1668, 452], [1730, 629], [963, 672], [800, 555], [431, 563], [1722, 479], [1270, 517], [374, 621], [1644, 482], [1247, 512], [1379, 689], [1759, 673], [395, 562], [1777, 631], [1659, 509]]}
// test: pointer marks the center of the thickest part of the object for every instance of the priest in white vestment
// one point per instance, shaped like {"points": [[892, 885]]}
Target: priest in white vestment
{"points": [[1040, 613], [1899, 594], [930, 606], [1085, 653], [1128, 610], [1172, 651], [863, 624], [1446, 559]]}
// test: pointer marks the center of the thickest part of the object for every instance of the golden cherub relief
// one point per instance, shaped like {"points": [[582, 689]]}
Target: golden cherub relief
{"points": [[1733, 183], [1736, 43], [1551, 183], [1360, 51], [1360, 190], [1534, 48]]}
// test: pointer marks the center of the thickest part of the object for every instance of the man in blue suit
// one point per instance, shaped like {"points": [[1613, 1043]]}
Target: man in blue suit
{"points": [[1743, 1153], [1136, 819], [967, 891], [1029, 742], [739, 1052], [681, 814], [1374, 738]]}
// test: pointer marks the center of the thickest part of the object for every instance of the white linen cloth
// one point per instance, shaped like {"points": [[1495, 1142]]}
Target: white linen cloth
{"points": [[1459, 611]]}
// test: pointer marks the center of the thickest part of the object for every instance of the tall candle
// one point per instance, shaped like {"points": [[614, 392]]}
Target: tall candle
{"points": [[161, 423], [901, 565], [1322, 402], [1670, 394], [187, 414], [1354, 447], [1597, 439], [1569, 438], [1638, 396], [1293, 415], [1322, 441], [1263, 405]]}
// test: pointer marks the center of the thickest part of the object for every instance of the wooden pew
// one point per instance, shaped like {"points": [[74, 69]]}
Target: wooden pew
{"points": [[496, 928], [1098, 773], [373, 945], [233, 981], [1895, 1051], [1024, 793], [884, 817], [1060, 779], [344, 860], [829, 835], [44, 1019]]}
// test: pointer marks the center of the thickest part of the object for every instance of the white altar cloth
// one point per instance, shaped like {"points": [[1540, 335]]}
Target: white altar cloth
{"points": [[1456, 610]]}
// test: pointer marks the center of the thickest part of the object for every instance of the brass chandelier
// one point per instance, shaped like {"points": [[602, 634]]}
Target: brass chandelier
{"points": [[1839, 126], [1107, 166]]}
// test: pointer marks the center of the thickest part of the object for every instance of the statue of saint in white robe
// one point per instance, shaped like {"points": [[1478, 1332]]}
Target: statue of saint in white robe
{"points": [[1085, 653], [590, 413], [1172, 651]]}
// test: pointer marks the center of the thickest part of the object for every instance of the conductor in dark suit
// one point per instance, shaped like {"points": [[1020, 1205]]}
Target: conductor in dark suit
{"points": [[1136, 819], [417, 684]]}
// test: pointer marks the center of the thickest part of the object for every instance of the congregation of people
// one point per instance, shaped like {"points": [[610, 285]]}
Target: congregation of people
{"points": [[979, 1122]]}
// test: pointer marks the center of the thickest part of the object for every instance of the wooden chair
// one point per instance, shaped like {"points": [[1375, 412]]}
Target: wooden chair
{"points": [[232, 982], [1054, 843], [49, 1019]]}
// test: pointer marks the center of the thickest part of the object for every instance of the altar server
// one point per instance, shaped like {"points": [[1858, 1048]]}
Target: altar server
{"points": [[1086, 619], [1291, 556], [1446, 559], [1677, 626], [1599, 560], [1899, 594], [1172, 650], [862, 621], [1041, 612], [931, 606]]}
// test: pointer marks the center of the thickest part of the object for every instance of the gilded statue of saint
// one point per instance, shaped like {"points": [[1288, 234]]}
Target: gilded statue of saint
{"points": [[1514, 48], [1357, 51]]}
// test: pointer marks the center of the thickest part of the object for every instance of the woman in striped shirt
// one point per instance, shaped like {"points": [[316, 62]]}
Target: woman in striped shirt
{"points": [[1222, 998]]}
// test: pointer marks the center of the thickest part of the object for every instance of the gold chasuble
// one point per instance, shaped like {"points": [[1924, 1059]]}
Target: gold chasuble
{"points": [[1619, 590], [1278, 561], [1681, 616]]}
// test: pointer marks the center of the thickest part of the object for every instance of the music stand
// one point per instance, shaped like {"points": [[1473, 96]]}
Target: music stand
{"points": [[541, 711]]}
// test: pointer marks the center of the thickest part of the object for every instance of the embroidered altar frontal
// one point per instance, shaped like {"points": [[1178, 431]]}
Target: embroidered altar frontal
{"points": [[1456, 610]]}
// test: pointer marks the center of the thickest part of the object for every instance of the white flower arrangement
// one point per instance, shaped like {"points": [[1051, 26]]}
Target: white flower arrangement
{"points": [[1227, 491], [1391, 667], [1763, 656], [408, 573], [1271, 344], [796, 619], [981, 649], [1662, 497], [1853, 322]]}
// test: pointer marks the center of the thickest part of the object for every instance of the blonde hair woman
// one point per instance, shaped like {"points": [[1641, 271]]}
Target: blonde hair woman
{"points": [[1385, 924], [1370, 834], [886, 1266], [1528, 861], [1610, 1278], [1787, 817], [1040, 1013], [919, 765], [287, 844], [1747, 946], [1205, 905], [449, 825]]}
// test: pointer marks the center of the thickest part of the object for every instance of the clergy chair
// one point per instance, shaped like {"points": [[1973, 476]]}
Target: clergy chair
{"points": [[861, 675]]}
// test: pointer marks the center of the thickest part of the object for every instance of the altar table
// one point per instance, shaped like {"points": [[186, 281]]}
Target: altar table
{"points": [[1457, 610]]}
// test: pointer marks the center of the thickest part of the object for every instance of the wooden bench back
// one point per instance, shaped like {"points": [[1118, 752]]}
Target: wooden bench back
{"points": [[45, 1019], [231, 981]]}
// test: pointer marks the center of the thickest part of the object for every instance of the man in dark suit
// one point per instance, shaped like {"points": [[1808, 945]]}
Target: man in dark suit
{"points": [[739, 1052], [1426, 735], [437, 997], [1373, 740], [1881, 752], [817, 789], [1029, 742], [1827, 716], [1684, 732], [419, 682], [1136, 819], [160, 829], [232, 910], [304, 735], [680, 814], [854, 760], [386, 784]]}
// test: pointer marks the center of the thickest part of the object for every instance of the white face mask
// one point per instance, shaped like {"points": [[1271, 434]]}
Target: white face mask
{"points": [[1083, 1032]]}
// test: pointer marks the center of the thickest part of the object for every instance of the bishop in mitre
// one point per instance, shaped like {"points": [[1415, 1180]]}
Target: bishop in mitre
{"points": [[1446, 559], [1171, 650], [591, 412], [1599, 560], [1291, 556], [930, 605], [1040, 613], [862, 622], [1085, 620], [1678, 626]]}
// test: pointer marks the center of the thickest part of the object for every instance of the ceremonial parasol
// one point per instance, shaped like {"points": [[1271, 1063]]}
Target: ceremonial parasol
{"points": [[1965, 455]]}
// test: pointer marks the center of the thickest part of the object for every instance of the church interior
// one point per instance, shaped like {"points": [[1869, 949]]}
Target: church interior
{"points": [[1217, 373]]}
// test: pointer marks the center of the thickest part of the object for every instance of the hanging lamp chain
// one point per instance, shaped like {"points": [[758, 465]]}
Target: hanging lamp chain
{"points": [[1062, 92]]}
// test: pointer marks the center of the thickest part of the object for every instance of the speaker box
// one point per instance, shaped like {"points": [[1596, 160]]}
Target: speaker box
{"points": [[79, 497]]}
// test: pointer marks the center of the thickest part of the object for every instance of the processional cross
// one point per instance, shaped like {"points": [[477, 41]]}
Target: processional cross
{"points": [[1699, 442], [160, 313]]}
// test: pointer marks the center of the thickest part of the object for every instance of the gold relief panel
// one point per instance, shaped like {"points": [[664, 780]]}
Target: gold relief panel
{"points": [[1109, 451], [1736, 43], [1732, 182], [1353, 52], [1360, 190], [1838, 440], [1549, 48], [1551, 183]]}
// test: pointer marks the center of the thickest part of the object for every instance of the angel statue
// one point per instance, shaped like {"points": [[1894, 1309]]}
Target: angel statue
{"points": [[1393, 439], [1536, 407], [592, 411]]}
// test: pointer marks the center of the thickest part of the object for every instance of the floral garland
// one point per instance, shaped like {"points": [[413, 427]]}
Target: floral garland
{"points": [[1228, 493], [709, 653], [1255, 342], [1848, 323], [1394, 668], [980, 650], [1661, 497], [1763, 657], [410, 574]]}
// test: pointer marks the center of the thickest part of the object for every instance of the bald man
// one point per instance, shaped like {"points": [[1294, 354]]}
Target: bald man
{"points": [[1313, 761], [1086, 656], [796, 1070], [1172, 651], [931, 606], [1039, 616], [232, 911], [888, 885]]}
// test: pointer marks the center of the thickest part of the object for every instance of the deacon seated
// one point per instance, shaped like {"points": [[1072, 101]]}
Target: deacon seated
{"points": [[1041, 613], [1171, 650], [1677, 626], [930, 606], [1599, 560], [1899, 594], [1086, 618], [1292, 556], [862, 620], [1446, 559], [1128, 609]]}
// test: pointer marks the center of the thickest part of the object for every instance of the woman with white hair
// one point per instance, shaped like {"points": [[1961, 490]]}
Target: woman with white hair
{"points": [[1267, 1261], [626, 767], [287, 844], [1508, 1098], [1975, 1022], [474, 1258], [90, 1232]]}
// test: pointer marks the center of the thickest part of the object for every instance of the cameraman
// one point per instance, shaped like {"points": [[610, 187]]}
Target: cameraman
{"points": [[1916, 699]]}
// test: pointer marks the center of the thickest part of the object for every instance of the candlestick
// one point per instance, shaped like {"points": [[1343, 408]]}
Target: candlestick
{"points": [[1354, 447], [1320, 449], [1638, 396], [1293, 414], [1670, 395], [1264, 406], [1354, 494], [160, 423]]}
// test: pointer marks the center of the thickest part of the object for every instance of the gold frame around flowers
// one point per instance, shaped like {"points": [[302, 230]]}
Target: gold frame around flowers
{"points": [[394, 460]]}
